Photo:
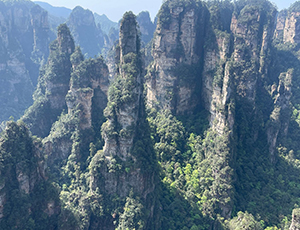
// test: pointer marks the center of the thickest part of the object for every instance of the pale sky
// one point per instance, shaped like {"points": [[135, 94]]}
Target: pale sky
{"points": [[114, 9]]}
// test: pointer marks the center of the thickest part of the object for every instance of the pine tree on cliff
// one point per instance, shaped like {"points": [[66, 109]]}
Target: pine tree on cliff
{"points": [[53, 85]]}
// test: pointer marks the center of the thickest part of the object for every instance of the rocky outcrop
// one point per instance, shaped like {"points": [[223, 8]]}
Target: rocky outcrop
{"points": [[217, 86], [23, 171], [24, 40], [53, 85], [221, 75], [208, 56], [279, 118], [252, 45], [129, 40], [288, 25], [127, 114], [280, 24], [39, 20], [177, 48], [228, 86], [87, 95], [227, 58], [292, 28], [120, 168], [88, 77], [295, 220]]}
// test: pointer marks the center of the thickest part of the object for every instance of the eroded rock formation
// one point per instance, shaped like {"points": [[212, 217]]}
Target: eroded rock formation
{"points": [[24, 40], [53, 85], [125, 166], [177, 49]]}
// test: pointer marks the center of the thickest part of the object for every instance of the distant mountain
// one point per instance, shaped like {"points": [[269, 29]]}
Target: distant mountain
{"points": [[147, 27], [86, 34], [56, 16], [105, 23], [62, 12]]}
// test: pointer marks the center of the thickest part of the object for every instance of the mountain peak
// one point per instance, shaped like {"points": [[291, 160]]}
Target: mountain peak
{"points": [[65, 39]]}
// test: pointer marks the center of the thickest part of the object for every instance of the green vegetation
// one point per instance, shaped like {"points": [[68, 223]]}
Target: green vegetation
{"points": [[185, 159], [220, 14], [52, 86], [165, 13], [233, 167], [23, 186], [241, 149], [244, 221]]}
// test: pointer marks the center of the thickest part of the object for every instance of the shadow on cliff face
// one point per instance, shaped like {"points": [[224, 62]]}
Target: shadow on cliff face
{"points": [[264, 188], [267, 191]]}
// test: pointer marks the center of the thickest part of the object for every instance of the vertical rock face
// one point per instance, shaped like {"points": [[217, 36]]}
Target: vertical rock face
{"points": [[86, 34], [127, 113], [53, 85], [233, 73], [82, 98], [89, 82], [292, 28], [39, 21], [252, 35], [23, 172], [295, 220], [82, 91], [177, 48], [252, 44], [217, 86], [280, 24], [57, 83], [288, 25], [125, 165], [129, 41], [86, 96], [65, 41], [228, 57], [23, 47], [279, 117]]}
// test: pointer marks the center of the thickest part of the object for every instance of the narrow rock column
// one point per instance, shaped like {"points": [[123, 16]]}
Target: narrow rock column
{"points": [[295, 220]]}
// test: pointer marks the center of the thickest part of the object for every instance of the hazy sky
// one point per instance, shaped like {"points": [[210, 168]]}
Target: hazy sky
{"points": [[114, 9]]}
